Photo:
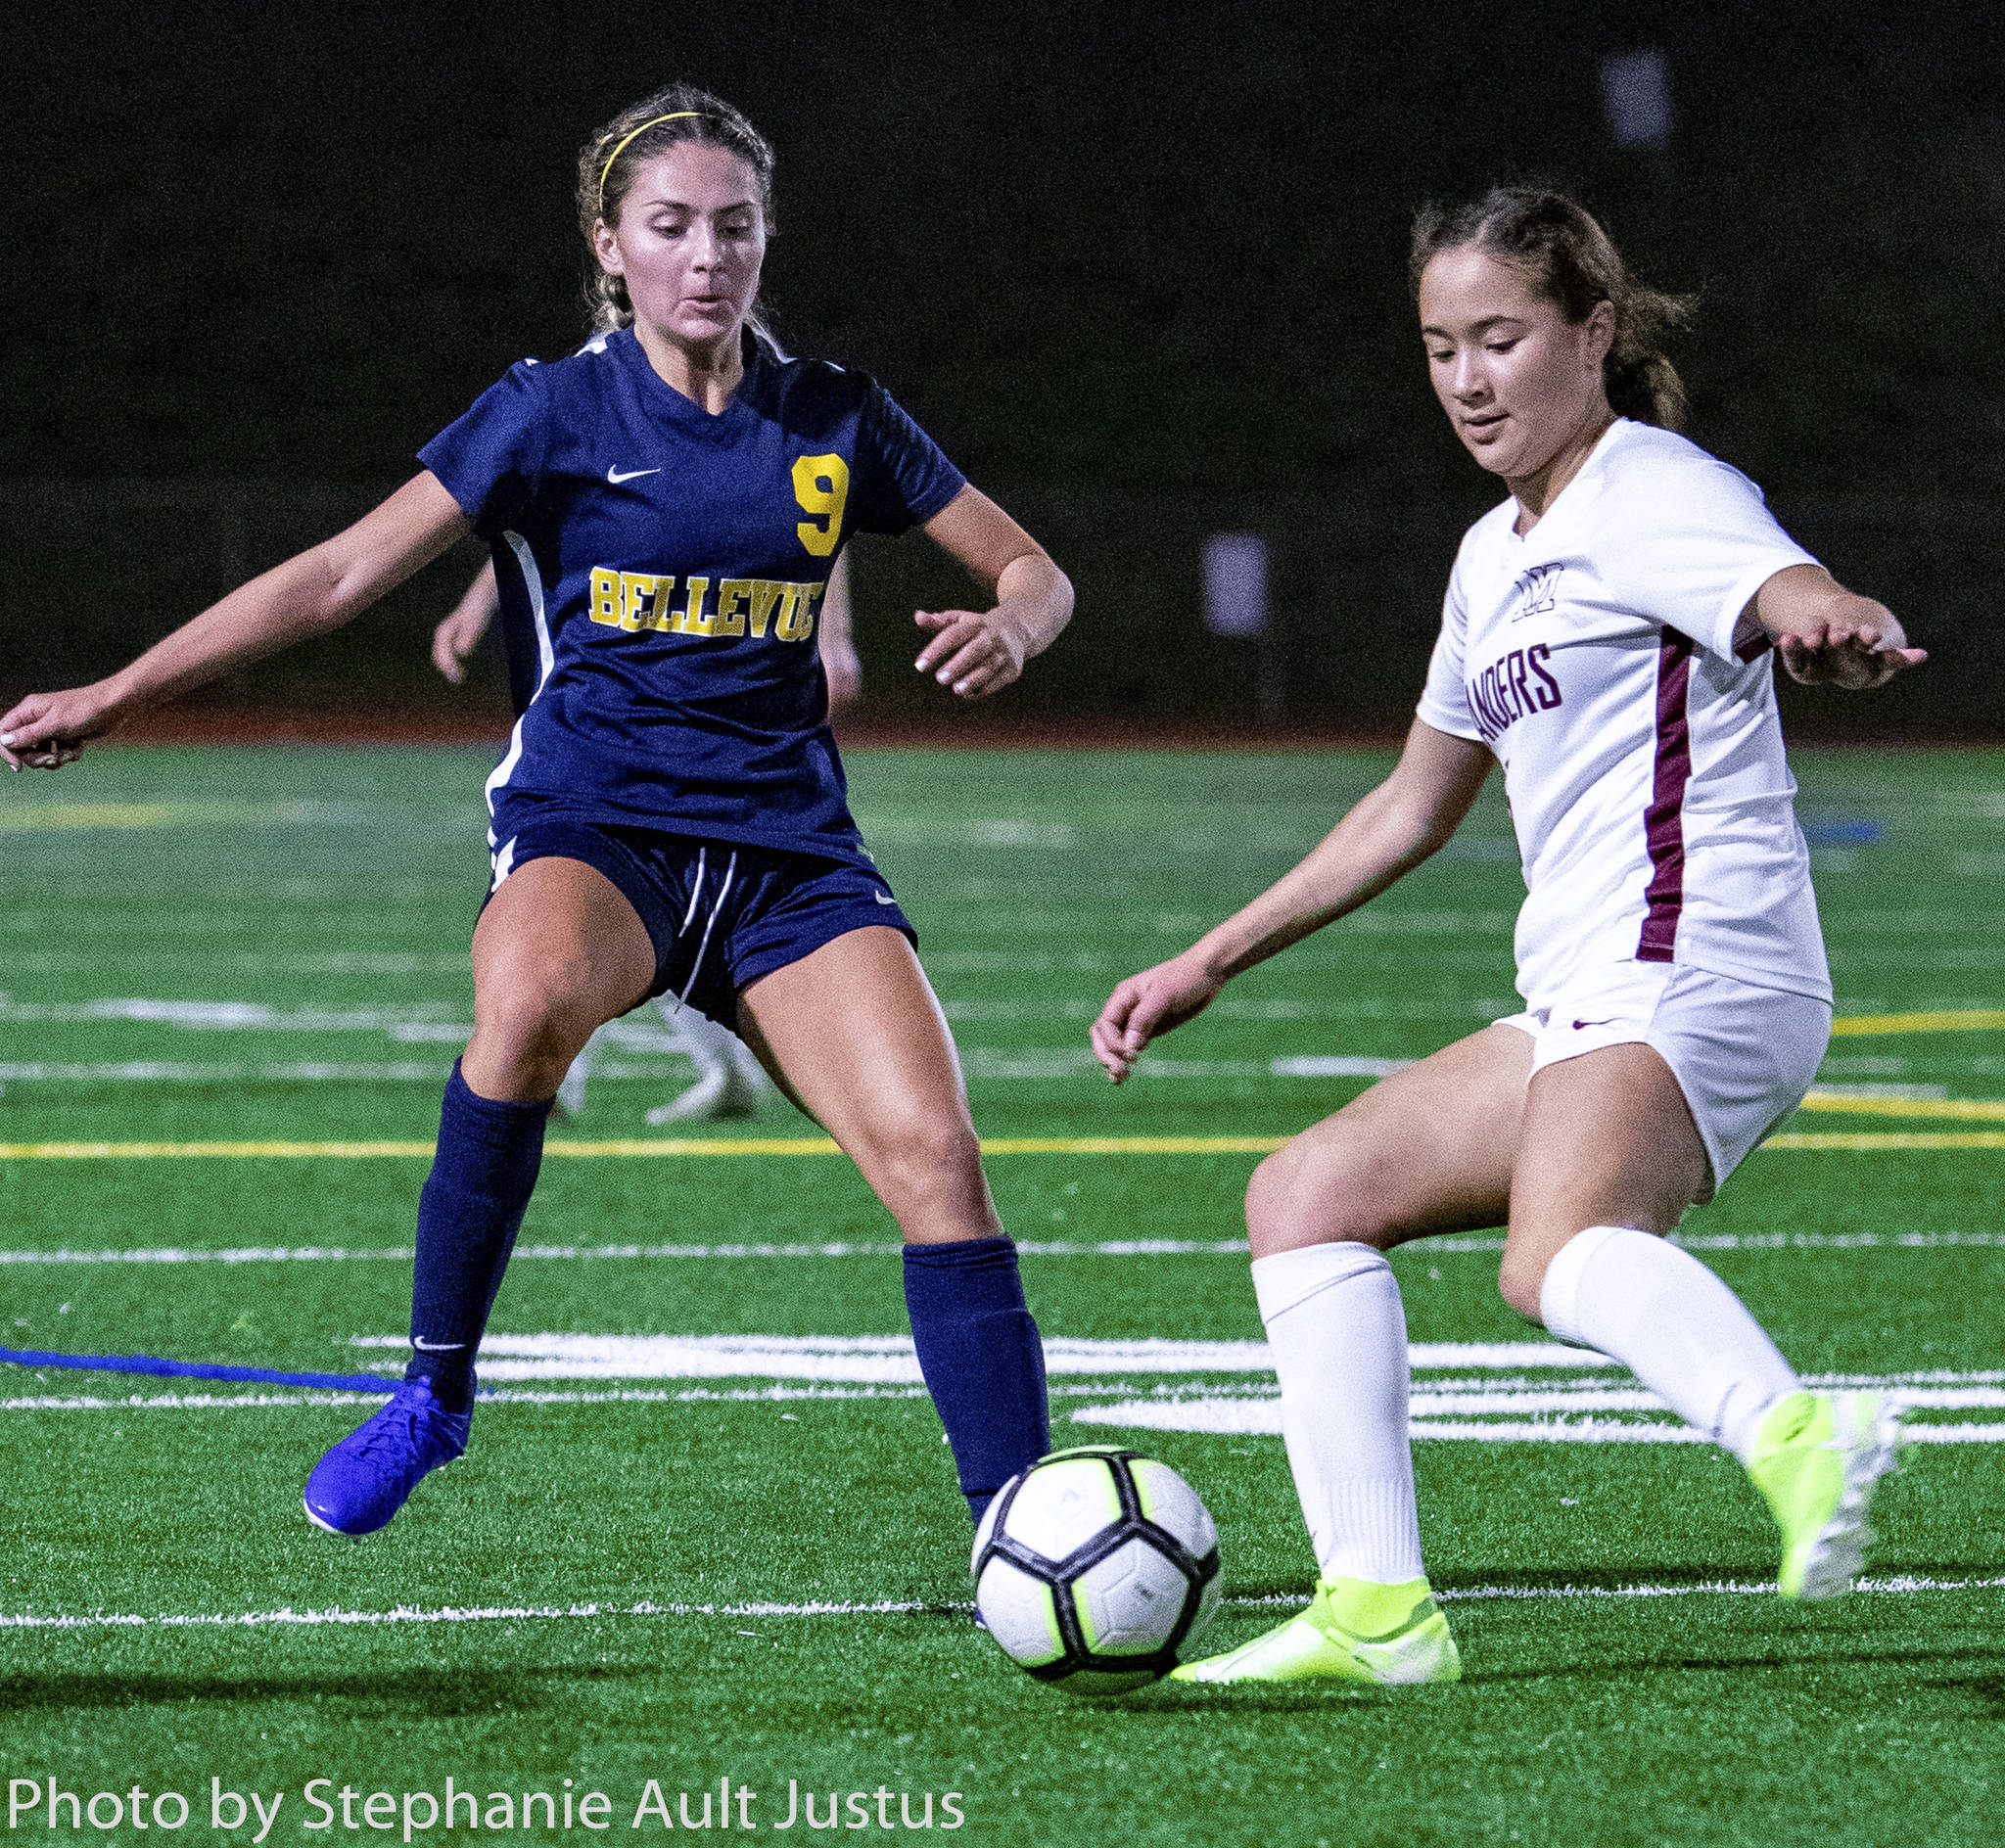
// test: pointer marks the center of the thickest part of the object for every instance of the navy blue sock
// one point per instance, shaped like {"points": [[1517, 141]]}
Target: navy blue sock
{"points": [[982, 1360], [468, 1216]]}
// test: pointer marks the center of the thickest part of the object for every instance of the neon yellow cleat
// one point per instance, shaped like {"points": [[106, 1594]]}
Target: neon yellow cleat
{"points": [[1377, 1636], [1817, 1458]]}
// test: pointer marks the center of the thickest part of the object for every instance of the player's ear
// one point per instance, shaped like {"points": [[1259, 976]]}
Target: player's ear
{"points": [[605, 246], [1601, 331]]}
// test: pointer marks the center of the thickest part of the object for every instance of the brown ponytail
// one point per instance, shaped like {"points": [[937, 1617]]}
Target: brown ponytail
{"points": [[1573, 263]]}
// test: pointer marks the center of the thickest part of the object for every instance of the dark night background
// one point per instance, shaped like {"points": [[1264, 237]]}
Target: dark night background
{"points": [[1140, 269]]}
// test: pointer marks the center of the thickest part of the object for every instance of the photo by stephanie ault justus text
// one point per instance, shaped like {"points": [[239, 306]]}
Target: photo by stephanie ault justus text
{"points": [[325, 1806]]}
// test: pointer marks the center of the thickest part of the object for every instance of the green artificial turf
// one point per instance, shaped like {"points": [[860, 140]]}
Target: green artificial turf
{"points": [[345, 882]]}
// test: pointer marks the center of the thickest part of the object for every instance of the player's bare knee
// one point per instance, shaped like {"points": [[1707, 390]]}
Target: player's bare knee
{"points": [[1521, 1278], [928, 1171], [531, 1033], [1302, 1197]]}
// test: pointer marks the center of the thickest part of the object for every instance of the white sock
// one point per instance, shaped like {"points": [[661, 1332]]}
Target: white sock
{"points": [[1673, 1324], [1338, 1335], [705, 1041]]}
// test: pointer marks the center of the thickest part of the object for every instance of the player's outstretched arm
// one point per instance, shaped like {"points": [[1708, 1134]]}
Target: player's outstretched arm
{"points": [[1828, 635], [318, 591], [979, 651], [1398, 825], [460, 633]]}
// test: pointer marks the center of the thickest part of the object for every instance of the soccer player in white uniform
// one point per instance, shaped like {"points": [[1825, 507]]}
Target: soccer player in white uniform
{"points": [[729, 1082], [1606, 638]]}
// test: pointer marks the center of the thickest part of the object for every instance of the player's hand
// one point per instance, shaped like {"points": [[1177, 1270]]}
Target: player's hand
{"points": [[845, 673], [1844, 655], [455, 639], [1147, 1005], [47, 731], [975, 653]]}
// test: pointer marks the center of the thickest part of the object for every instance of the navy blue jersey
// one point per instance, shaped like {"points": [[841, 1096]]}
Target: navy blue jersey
{"points": [[661, 572]]}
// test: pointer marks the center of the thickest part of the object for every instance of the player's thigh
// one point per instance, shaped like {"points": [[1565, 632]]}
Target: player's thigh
{"points": [[558, 951], [1430, 1149], [855, 1033], [1609, 1139]]}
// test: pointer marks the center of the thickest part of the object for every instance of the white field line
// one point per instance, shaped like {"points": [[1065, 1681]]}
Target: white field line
{"points": [[832, 1248], [173, 1071], [1900, 1585], [1258, 1417], [1030, 1247], [1764, 1241], [235, 1016], [891, 1359], [310, 1400], [1485, 1392], [981, 1062], [1210, 1417]]}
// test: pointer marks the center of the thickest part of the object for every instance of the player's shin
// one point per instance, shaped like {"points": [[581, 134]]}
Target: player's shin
{"points": [[469, 1212], [982, 1360], [1816, 1456], [1641, 1300], [1337, 1332]]}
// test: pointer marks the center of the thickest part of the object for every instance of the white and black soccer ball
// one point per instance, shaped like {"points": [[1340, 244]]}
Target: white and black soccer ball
{"points": [[1094, 1567]]}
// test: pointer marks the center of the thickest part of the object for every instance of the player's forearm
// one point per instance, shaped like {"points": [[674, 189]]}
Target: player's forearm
{"points": [[301, 598], [1036, 597], [1408, 817]]}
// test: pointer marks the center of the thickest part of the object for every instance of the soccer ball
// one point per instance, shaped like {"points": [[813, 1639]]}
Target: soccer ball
{"points": [[1094, 1567]]}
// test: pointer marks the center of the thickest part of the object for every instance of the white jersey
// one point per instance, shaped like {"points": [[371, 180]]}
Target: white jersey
{"points": [[1597, 656]]}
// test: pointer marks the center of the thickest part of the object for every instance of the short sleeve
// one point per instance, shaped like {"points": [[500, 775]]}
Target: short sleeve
{"points": [[1697, 545], [491, 459], [1444, 701], [902, 479]]}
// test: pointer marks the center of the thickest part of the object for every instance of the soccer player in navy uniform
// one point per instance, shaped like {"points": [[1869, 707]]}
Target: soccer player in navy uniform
{"points": [[664, 508]]}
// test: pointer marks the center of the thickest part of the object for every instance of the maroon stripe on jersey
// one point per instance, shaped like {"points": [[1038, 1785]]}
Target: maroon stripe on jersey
{"points": [[1664, 820]]}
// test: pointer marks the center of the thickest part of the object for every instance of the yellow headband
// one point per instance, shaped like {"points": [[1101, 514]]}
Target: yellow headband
{"points": [[606, 171]]}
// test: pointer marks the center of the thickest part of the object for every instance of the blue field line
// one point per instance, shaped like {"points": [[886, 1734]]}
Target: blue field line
{"points": [[197, 1369]]}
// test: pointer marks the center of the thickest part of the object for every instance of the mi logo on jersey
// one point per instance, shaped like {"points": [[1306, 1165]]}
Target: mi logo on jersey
{"points": [[1537, 591], [1511, 689], [636, 600]]}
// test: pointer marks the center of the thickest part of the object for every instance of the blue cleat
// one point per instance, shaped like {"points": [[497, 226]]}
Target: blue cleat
{"points": [[360, 1485]]}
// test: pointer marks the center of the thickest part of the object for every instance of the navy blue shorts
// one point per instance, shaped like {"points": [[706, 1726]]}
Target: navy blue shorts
{"points": [[720, 914]]}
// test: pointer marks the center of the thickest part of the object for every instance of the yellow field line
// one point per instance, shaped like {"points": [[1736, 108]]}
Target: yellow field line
{"points": [[1964, 1020], [1962, 1109], [1890, 1139], [709, 1145]]}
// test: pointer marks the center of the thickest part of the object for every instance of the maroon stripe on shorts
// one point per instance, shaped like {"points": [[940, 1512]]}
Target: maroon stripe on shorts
{"points": [[1664, 820]]}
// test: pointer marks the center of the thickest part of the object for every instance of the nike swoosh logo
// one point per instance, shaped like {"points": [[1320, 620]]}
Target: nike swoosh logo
{"points": [[1578, 1024], [632, 475], [883, 897], [439, 1347]]}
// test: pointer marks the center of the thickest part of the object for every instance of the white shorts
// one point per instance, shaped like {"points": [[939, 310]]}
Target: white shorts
{"points": [[1742, 1055]]}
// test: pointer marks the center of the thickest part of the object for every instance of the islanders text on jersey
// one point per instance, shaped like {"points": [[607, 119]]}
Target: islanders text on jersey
{"points": [[1503, 693]]}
